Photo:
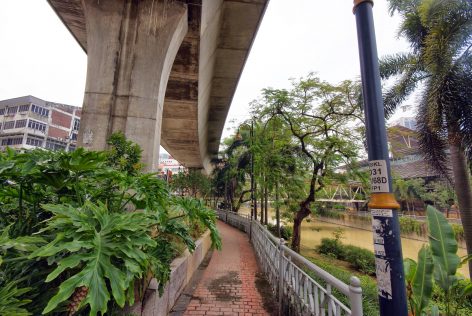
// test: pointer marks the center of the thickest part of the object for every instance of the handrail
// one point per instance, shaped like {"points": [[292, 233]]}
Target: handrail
{"points": [[298, 293]]}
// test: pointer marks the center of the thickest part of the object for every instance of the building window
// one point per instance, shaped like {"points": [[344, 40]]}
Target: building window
{"points": [[32, 141], [9, 125], [37, 125], [39, 110], [53, 144], [76, 125], [73, 136], [13, 110], [20, 123], [12, 141], [23, 108], [2, 111], [0, 126]]}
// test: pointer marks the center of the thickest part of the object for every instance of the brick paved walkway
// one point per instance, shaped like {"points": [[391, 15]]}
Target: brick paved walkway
{"points": [[228, 285]]}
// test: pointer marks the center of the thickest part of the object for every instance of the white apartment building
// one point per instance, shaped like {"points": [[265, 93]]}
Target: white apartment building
{"points": [[29, 122]]}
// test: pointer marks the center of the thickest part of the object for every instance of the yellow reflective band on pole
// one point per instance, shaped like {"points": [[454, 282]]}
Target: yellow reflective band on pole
{"points": [[383, 200], [357, 2]]}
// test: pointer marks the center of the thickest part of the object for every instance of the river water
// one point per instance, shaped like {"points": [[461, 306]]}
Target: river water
{"points": [[315, 230]]}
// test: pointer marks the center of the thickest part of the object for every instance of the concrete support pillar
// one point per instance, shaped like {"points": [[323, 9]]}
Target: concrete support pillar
{"points": [[131, 46]]}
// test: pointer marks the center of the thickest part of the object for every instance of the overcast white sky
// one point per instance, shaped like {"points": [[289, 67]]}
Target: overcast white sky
{"points": [[39, 57]]}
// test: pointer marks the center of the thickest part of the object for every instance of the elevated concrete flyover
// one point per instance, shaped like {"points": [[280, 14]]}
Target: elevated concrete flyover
{"points": [[162, 71]]}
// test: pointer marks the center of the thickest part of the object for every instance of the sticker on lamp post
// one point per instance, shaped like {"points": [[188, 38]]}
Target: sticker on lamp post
{"points": [[382, 235], [378, 176]]}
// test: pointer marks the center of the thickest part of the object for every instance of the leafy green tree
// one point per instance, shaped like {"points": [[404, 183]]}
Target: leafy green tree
{"points": [[124, 155], [442, 194], [275, 161], [318, 116], [192, 182], [409, 190], [440, 36]]}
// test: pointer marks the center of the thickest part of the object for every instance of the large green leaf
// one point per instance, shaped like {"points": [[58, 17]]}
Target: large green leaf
{"points": [[443, 247], [410, 267], [11, 301], [422, 284], [96, 247]]}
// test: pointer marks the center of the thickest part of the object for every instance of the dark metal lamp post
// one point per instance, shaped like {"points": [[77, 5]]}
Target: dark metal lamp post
{"points": [[383, 206]]}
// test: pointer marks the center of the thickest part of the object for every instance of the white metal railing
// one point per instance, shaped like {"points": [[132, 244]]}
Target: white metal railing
{"points": [[288, 273]]}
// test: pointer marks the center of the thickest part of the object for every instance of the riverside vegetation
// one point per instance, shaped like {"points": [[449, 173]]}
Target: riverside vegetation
{"points": [[433, 285], [408, 225], [83, 232]]}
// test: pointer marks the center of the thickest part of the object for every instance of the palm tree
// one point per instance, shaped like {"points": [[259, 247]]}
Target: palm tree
{"points": [[230, 173], [440, 63]]}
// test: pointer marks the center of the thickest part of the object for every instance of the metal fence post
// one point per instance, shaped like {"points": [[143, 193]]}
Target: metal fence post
{"points": [[355, 296], [281, 275]]}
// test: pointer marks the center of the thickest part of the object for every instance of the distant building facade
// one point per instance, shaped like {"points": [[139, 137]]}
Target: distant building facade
{"points": [[168, 163], [29, 122], [408, 122], [406, 159]]}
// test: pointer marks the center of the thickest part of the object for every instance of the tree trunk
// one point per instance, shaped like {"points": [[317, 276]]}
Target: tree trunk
{"points": [[266, 198], [262, 204], [462, 187], [226, 201], [304, 210], [255, 200], [241, 200], [277, 210], [297, 222]]}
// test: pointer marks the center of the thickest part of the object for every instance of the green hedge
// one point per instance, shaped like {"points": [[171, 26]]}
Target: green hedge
{"points": [[361, 259], [286, 232], [411, 226], [329, 214]]}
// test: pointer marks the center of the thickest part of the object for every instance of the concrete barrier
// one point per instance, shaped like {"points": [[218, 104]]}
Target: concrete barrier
{"points": [[182, 269]]}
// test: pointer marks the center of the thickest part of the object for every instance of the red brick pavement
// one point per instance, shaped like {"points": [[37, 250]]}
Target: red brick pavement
{"points": [[228, 285]]}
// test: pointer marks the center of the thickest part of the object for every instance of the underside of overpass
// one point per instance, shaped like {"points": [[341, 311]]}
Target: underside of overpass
{"points": [[129, 44]]}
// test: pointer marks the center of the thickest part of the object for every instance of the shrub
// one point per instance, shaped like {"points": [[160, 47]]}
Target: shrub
{"points": [[412, 226], [286, 232], [361, 259], [331, 247], [458, 231], [329, 214]]}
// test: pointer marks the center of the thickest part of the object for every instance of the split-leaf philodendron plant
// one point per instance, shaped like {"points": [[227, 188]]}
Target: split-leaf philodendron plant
{"points": [[83, 231]]}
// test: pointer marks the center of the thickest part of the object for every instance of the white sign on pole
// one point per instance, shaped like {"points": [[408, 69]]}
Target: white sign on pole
{"points": [[378, 176]]}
